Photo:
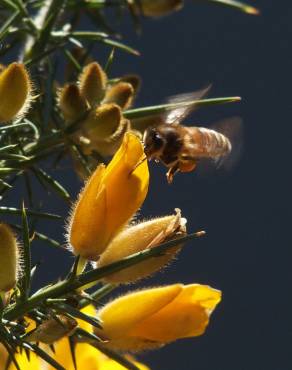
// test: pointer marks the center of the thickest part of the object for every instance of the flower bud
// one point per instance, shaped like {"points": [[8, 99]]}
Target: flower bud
{"points": [[159, 8], [134, 80], [53, 329], [93, 82], [15, 89], [153, 317], [9, 257], [121, 93], [72, 103], [104, 128], [109, 146], [139, 237], [103, 122]]}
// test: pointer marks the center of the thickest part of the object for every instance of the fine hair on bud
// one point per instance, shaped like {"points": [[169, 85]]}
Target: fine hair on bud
{"points": [[136, 238], [92, 82], [15, 92], [9, 259], [121, 93], [71, 102]]}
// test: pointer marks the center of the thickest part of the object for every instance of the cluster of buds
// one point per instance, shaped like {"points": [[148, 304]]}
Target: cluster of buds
{"points": [[15, 91], [99, 104]]}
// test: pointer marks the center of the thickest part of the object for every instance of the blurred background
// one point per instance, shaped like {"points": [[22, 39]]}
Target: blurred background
{"points": [[247, 213]]}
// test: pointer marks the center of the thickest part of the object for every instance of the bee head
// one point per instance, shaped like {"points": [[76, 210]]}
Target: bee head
{"points": [[153, 142]]}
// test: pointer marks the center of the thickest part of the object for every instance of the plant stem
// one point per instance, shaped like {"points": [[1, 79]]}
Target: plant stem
{"points": [[67, 286]]}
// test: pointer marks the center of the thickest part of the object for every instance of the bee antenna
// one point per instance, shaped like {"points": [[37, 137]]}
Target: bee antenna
{"points": [[138, 164]]}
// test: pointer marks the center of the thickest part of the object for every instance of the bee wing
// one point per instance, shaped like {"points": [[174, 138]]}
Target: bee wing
{"points": [[232, 128], [176, 115]]}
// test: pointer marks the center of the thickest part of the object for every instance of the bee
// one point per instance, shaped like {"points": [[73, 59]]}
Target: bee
{"points": [[181, 148]]}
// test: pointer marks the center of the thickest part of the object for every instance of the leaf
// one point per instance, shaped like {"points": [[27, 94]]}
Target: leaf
{"points": [[16, 211], [53, 183], [65, 308], [97, 295], [72, 346], [237, 5], [5, 27], [159, 109], [45, 356], [109, 61], [26, 254]]}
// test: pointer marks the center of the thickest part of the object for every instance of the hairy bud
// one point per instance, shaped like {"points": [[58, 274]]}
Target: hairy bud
{"points": [[71, 102], [121, 93], [93, 82], [15, 89], [139, 237], [9, 257]]}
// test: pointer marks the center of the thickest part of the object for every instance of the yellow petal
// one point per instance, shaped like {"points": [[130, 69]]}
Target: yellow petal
{"points": [[34, 362], [15, 88], [126, 184], [124, 313], [186, 316], [109, 200], [87, 357], [86, 234]]}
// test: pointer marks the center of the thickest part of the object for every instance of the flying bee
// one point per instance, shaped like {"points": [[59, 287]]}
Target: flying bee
{"points": [[181, 148]]}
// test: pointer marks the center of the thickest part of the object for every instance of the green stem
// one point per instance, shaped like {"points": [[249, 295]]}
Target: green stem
{"points": [[67, 286]]}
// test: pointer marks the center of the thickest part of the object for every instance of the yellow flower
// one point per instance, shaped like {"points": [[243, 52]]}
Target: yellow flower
{"points": [[136, 238], [9, 257], [15, 89], [87, 357], [110, 198], [154, 317]]}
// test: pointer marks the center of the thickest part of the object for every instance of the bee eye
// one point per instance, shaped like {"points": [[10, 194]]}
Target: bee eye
{"points": [[156, 139]]}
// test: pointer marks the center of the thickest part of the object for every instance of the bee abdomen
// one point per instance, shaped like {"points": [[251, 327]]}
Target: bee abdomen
{"points": [[214, 143]]}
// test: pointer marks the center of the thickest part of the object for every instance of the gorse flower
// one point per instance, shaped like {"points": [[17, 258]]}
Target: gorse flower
{"points": [[15, 91], [110, 198], [87, 356], [150, 318]]}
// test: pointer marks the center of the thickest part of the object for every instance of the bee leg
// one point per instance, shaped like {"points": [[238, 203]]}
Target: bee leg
{"points": [[187, 166], [171, 172]]}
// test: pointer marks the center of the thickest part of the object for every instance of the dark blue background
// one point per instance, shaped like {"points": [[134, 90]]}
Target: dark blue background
{"points": [[247, 213]]}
